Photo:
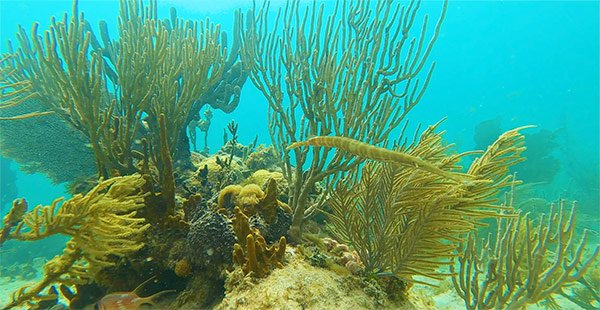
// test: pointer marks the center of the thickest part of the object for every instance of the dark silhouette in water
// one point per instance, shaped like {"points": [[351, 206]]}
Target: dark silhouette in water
{"points": [[541, 165], [486, 132]]}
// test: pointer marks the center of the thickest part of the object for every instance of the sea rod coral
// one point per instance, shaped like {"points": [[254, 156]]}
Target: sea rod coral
{"points": [[320, 73], [102, 225]]}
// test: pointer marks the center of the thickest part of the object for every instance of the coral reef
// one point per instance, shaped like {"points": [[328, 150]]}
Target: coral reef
{"points": [[301, 286], [264, 157], [144, 119], [330, 84], [344, 256], [210, 240], [524, 263], [407, 220], [215, 230], [102, 224], [228, 230], [262, 178], [219, 174], [251, 252], [202, 124]]}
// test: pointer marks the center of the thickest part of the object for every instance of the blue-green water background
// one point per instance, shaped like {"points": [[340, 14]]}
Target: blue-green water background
{"points": [[520, 63]]}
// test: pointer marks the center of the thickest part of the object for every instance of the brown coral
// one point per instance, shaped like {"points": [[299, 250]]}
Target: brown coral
{"points": [[13, 218], [249, 197], [183, 268], [252, 200], [252, 252]]}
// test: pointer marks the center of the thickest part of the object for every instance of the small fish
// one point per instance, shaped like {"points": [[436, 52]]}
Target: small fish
{"points": [[128, 300]]}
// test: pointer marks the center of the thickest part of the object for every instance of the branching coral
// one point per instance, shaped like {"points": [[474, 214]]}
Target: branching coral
{"points": [[524, 262], [102, 225], [407, 220], [320, 74], [252, 252], [117, 93], [13, 218]]}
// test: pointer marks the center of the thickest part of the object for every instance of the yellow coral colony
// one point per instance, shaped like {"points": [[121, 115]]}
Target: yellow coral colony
{"points": [[525, 262], [405, 221], [102, 225], [332, 85], [252, 252]]}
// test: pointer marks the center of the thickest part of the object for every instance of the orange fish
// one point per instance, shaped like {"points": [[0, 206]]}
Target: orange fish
{"points": [[128, 300]]}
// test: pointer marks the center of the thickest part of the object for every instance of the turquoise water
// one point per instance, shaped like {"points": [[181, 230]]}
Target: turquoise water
{"points": [[507, 63]]}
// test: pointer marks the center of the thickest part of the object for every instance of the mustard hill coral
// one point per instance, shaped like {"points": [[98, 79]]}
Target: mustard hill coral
{"points": [[263, 158], [262, 177]]}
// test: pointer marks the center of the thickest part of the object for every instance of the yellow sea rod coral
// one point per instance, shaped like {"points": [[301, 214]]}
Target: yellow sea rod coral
{"points": [[103, 226], [366, 150]]}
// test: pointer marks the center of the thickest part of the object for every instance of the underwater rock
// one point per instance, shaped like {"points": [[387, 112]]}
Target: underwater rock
{"points": [[541, 164], [210, 240], [298, 285], [280, 227], [486, 132], [263, 158]]}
